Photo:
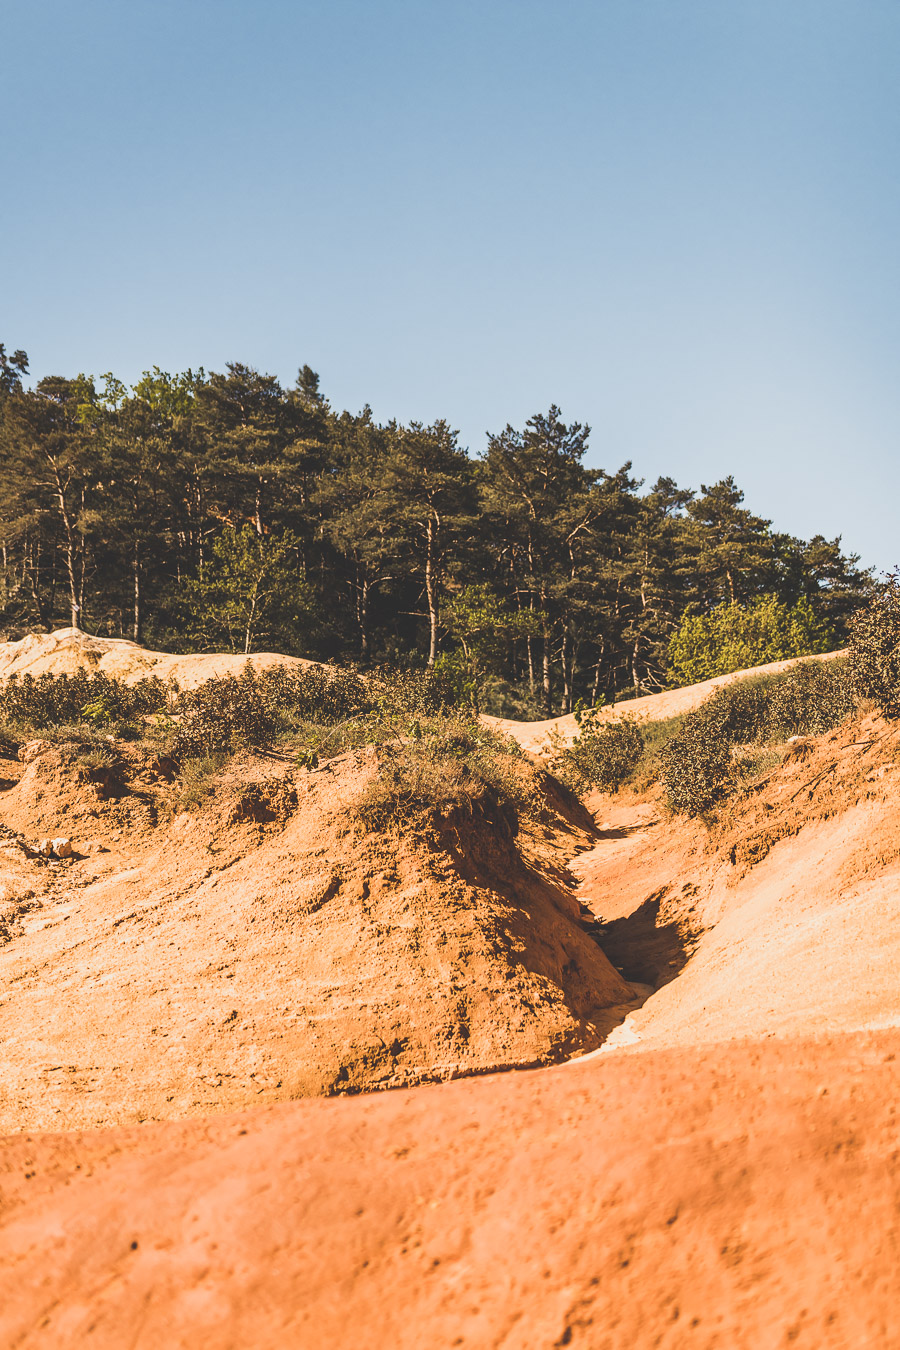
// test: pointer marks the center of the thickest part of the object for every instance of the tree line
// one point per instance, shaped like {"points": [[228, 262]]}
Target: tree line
{"points": [[207, 510]]}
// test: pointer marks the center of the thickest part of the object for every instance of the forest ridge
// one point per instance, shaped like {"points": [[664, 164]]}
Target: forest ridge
{"points": [[209, 510]]}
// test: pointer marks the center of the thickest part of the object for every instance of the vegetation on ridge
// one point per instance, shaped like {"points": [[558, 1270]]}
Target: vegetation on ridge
{"points": [[224, 511]]}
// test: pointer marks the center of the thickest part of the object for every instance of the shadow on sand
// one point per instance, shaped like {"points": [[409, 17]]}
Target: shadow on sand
{"points": [[645, 949]]}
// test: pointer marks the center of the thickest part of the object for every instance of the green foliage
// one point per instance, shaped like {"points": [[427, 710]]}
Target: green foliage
{"points": [[810, 699], [223, 510], [738, 637], [247, 589], [874, 660], [323, 694], [44, 701], [603, 755], [697, 765], [255, 709], [482, 628], [400, 693], [446, 763], [196, 780], [223, 714]]}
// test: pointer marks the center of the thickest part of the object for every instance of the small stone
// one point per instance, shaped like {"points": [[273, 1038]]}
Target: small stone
{"points": [[55, 848], [32, 750]]}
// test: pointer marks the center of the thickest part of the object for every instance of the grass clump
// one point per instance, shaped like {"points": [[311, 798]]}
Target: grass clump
{"points": [[445, 763], [196, 781]]}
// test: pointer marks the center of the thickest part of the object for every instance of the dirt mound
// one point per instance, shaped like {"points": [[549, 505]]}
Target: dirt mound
{"points": [[536, 736], [788, 906], [268, 947], [68, 649], [738, 1197]]}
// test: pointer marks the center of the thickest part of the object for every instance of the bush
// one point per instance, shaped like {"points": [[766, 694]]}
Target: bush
{"points": [[223, 714], [322, 694], [254, 709], [401, 693], [96, 698], [447, 763], [696, 765], [604, 754], [874, 660], [809, 700]]}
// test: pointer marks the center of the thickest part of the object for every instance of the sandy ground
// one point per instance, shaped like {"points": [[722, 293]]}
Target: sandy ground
{"points": [[738, 1198], [720, 1171], [267, 947], [67, 650], [536, 736]]}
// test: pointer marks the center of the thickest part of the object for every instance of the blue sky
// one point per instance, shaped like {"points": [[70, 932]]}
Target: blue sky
{"points": [[678, 219]]}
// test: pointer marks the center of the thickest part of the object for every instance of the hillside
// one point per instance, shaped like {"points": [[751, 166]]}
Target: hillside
{"points": [[267, 946], [68, 649], [712, 1165], [536, 736]]}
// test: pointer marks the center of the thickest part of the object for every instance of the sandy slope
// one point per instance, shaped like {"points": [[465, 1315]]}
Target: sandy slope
{"points": [[268, 947], [789, 910], [728, 1198], [67, 650], [720, 1173], [534, 736]]}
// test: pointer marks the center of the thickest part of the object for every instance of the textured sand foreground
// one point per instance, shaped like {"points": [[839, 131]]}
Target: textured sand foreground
{"points": [[744, 1196]]}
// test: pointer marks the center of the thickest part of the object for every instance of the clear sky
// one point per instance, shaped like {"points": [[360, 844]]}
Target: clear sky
{"points": [[678, 219]]}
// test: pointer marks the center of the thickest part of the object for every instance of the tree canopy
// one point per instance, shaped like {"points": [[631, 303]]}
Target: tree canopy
{"points": [[203, 509]]}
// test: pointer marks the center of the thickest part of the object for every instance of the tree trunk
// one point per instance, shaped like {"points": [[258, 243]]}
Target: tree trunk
{"points": [[547, 638], [431, 590], [137, 615], [548, 706], [69, 552], [566, 706], [257, 508], [362, 614]]}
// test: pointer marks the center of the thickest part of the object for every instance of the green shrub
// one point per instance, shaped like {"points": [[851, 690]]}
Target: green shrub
{"points": [[874, 659], [404, 693], [255, 709], [697, 767], [809, 700], [223, 714], [737, 637], [38, 703], [322, 694], [604, 754]]}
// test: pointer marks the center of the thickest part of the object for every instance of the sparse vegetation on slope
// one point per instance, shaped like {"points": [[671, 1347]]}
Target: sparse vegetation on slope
{"points": [[603, 755], [698, 766]]}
